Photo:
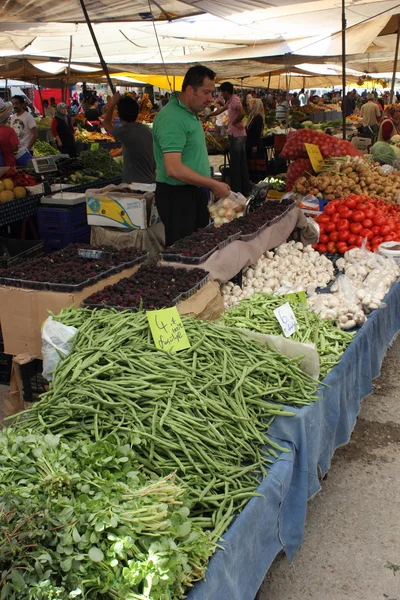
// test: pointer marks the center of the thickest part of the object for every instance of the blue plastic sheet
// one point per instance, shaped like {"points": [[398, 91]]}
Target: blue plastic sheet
{"points": [[276, 521]]}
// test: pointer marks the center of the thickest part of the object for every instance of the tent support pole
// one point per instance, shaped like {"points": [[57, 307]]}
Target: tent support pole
{"points": [[102, 61], [269, 79], [40, 93], [343, 65], [69, 67], [396, 56]]}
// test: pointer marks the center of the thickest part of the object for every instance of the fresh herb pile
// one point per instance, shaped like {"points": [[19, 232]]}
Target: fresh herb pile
{"points": [[80, 520], [41, 148], [67, 267], [151, 287], [203, 412], [100, 160], [256, 314]]}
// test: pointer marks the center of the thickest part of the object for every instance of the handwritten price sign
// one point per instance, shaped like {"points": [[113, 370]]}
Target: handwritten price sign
{"points": [[167, 329], [286, 319], [315, 156]]}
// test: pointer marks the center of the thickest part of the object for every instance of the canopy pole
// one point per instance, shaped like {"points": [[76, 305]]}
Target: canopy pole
{"points": [[40, 94], [269, 79], [69, 67], [396, 56], [343, 65], [6, 94], [102, 61]]}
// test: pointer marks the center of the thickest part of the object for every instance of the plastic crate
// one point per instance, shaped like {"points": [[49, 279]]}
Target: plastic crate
{"points": [[58, 241], [20, 251], [5, 364], [61, 220], [33, 383]]}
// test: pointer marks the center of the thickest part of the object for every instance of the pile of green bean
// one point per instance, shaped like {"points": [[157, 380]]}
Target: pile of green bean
{"points": [[203, 412], [257, 314]]}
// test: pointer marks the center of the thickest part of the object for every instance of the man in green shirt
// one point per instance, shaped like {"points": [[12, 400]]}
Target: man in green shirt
{"points": [[183, 169]]}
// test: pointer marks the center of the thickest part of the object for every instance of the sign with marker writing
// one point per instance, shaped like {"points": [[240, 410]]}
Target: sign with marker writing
{"points": [[299, 297], [167, 329], [315, 156], [94, 146], [286, 319]]}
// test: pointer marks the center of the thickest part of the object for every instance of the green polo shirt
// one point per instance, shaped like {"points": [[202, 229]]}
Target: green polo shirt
{"points": [[177, 129]]}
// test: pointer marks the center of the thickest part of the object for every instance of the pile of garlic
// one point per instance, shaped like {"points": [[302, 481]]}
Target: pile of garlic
{"points": [[291, 268]]}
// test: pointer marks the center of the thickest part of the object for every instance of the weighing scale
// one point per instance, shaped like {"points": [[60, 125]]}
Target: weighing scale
{"points": [[45, 164]]}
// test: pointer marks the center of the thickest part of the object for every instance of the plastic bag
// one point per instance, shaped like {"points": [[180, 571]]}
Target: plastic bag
{"points": [[57, 341], [227, 209]]}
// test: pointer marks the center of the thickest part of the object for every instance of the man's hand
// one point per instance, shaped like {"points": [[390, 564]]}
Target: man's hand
{"points": [[220, 189]]}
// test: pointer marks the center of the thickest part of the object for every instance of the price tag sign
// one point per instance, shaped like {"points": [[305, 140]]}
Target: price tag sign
{"points": [[167, 329], [94, 146], [299, 297], [286, 319], [315, 156]]}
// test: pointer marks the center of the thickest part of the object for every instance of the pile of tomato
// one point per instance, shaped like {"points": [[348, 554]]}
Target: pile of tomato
{"points": [[345, 224]]}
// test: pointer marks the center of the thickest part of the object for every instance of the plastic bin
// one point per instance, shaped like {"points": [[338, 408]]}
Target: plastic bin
{"points": [[20, 251], [61, 220], [59, 240], [33, 383], [5, 364]]}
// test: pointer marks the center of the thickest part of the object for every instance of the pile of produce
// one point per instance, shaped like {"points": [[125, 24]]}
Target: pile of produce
{"points": [[257, 314], [20, 178], [225, 210], [328, 145], [151, 288], [275, 183], [101, 161], [216, 143], [355, 176], [291, 268], [43, 122], [9, 191], [298, 171], [345, 224], [67, 267], [44, 149], [114, 152], [203, 412], [81, 520], [89, 137], [384, 153], [197, 245], [261, 217], [367, 279]]}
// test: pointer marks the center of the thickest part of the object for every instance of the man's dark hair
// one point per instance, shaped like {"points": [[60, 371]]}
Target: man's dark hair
{"points": [[226, 87], [20, 98], [45, 102], [93, 100], [196, 75], [128, 109]]}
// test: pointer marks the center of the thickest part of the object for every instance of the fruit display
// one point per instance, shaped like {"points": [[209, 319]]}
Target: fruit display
{"points": [[342, 178], [328, 145], [67, 268], [151, 288], [21, 177], [41, 148], [8, 191], [196, 246], [89, 137], [346, 224]]}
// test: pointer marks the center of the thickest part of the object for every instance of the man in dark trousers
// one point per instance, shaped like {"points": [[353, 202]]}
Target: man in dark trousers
{"points": [[183, 169]]}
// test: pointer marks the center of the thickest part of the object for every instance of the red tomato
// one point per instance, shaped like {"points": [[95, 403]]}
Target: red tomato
{"points": [[323, 238], [358, 241], [343, 235], [385, 230], [377, 240], [350, 202], [323, 218], [322, 248], [342, 247], [355, 228], [391, 223], [335, 217], [376, 230], [334, 236], [367, 223], [379, 219], [330, 227], [329, 209], [342, 224], [335, 203], [331, 247], [322, 227], [358, 216], [314, 246], [351, 240], [370, 213], [352, 247], [366, 233], [387, 238]]}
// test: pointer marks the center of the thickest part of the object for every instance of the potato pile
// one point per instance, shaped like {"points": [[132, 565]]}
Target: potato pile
{"points": [[354, 176]]}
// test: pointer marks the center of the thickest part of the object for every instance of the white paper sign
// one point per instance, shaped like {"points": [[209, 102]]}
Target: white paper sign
{"points": [[286, 319]]}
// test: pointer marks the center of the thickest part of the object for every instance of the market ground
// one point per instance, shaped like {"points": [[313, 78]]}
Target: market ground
{"points": [[353, 524]]}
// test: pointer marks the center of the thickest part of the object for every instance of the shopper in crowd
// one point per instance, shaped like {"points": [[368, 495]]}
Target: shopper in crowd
{"points": [[75, 108], [136, 139], [371, 114], [220, 128], [23, 124], [48, 111], [282, 109], [165, 100], [295, 100], [255, 151], [238, 170], [183, 169], [53, 103], [93, 112], [302, 97], [145, 108], [390, 124], [63, 130], [8, 138], [349, 104]]}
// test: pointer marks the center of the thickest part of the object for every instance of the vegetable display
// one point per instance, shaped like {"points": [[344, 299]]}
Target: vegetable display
{"points": [[328, 145], [81, 520], [257, 314], [9, 191], [298, 171], [345, 224], [203, 412], [20, 178], [100, 160], [43, 122], [41, 148], [385, 153], [225, 210], [342, 178], [151, 287]]}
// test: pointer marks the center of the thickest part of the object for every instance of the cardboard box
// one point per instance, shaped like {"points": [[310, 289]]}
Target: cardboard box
{"points": [[361, 143], [112, 207], [22, 312]]}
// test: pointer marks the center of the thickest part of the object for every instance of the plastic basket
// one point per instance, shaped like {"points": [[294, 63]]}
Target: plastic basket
{"points": [[20, 251]]}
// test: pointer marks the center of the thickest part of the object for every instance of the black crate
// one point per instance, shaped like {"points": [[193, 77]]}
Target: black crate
{"points": [[5, 364], [33, 382], [13, 252]]}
